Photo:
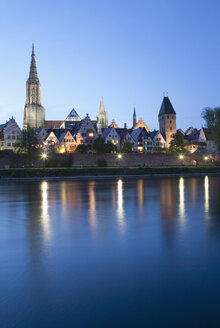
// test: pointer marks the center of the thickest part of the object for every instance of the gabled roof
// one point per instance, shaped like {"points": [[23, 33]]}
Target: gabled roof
{"points": [[141, 124], [153, 134], [62, 136], [113, 124], [2, 126], [73, 116], [166, 107], [107, 131], [194, 135], [122, 132], [207, 133]]}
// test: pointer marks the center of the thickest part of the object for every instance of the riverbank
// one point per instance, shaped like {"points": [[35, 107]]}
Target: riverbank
{"points": [[71, 173]]}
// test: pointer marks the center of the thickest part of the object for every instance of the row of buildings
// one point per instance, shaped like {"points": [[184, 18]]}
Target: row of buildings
{"points": [[67, 134]]}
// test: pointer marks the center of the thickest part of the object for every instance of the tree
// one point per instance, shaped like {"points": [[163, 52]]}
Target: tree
{"points": [[28, 144], [81, 149], [127, 147], [110, 148], [177, 144], [159, 150], [99, 146], [212, 119]]}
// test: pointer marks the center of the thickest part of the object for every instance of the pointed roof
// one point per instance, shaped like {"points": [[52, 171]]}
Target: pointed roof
{"points": [[33, 77], [134, 112], [102, 107], [166, 107], [73, 116], [141, 124], [113, 124]]}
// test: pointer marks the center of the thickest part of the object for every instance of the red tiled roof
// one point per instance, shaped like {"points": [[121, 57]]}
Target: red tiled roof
{"points": [[52, 124]]}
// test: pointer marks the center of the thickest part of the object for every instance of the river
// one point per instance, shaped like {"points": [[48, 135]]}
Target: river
{"points": [[110, 253]]}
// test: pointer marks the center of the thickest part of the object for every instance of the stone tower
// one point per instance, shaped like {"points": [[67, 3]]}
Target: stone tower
{"points": [[102, 119], [167, 120], [134, 118], [34, 113]]}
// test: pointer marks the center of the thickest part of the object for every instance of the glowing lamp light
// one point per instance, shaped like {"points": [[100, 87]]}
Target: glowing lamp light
{"points": [[44, 156], [181, 157], [119, 156], [91, 134], [206, 158]]}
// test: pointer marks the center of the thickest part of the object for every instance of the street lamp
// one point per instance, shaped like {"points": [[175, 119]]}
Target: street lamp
{"points": [[119, 156], [44, 156], [181, 157], [206, 158]]}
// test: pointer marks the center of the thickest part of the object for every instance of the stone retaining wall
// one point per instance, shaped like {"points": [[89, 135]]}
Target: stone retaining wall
{"points": [[89, 160]]}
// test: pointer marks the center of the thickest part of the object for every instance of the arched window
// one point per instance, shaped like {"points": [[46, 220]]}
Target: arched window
{"points": [[33, 95]]}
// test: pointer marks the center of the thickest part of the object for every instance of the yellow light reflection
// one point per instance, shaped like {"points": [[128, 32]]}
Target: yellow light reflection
{"points": [[45, 218], [206, 196], [92, 205], [140, 193], [120, 208], [181, 200]]}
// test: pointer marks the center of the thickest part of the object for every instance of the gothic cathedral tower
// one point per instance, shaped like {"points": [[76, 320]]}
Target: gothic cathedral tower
{"points": [[34, 113], [102, 119], [167, 120]]}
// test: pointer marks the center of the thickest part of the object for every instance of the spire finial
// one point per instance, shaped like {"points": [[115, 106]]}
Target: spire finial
{"points": [[32, 48]]}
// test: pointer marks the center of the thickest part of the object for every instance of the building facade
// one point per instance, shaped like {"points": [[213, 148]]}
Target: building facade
{"points": [[9, 134]]}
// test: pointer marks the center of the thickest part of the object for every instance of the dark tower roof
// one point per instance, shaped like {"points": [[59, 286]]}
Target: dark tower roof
{"points": [[166, 107], [134, 115], [33, 77]]}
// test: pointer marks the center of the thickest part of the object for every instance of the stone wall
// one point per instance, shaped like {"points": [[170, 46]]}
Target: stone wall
{"points": [[89, 160], [140, 160]]}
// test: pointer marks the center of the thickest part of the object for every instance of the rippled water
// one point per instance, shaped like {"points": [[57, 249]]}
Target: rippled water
{"points": [[110, 253]]}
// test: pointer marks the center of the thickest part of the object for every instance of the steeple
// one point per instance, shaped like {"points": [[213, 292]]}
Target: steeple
{"points": [[33, 112], [101, 107], [134, 117], [33, 77], [102, 119]]}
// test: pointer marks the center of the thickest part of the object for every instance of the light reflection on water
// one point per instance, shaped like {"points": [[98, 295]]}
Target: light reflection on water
{"points": [[181, 200], [45, 217], [206, 193], [104, 260], [120, 208]]}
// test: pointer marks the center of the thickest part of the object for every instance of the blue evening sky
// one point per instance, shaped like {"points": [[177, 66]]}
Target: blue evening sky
{"points": [[129, 52]]}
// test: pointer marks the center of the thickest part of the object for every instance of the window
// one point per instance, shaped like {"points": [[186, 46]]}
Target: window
{"points": [[9, 137], [170, 122], [13, 137], [9, 144], [170, 128], [33, 95]]}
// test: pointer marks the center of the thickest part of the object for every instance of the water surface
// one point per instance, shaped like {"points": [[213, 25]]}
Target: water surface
{"points": [[110, 253]]}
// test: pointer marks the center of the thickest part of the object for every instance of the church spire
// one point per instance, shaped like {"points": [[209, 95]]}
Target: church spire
{"points": [[102, 106], [33, 77], [134, 117]]}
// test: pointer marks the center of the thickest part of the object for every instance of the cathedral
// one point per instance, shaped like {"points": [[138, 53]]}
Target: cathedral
{"points": [[34, 113]]}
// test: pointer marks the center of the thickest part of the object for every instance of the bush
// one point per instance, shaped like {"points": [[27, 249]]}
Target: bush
{"points": [[102, 162]]}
